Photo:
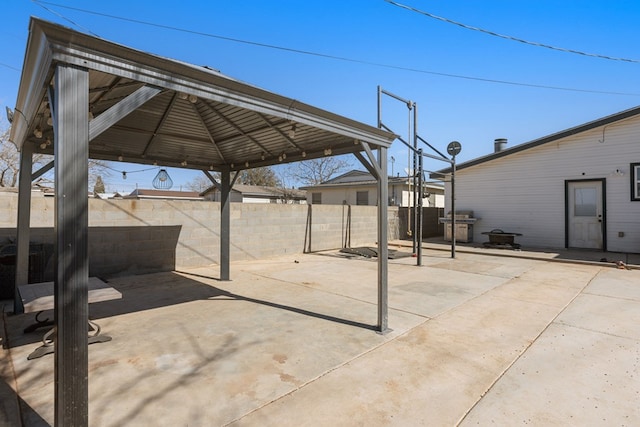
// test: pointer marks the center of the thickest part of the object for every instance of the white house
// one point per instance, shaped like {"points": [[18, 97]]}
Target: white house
{"points": [[360, 188], [578, 188]]}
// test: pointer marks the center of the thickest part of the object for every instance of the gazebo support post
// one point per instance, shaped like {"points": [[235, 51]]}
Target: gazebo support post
{"points": [[24, 231], [71, 309], [225, 223]]}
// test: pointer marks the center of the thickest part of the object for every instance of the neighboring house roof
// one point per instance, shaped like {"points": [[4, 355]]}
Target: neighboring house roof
{"points": [[362, 178], [163, 194], [544, 140], [262, 191], [105, 196]]}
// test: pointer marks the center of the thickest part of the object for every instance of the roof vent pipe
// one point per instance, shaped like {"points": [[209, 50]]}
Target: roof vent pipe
{"points": [[499, 144]]}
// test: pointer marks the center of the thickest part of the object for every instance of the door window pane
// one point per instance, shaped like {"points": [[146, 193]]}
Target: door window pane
{"points": [[635, 181], [584, 202]]}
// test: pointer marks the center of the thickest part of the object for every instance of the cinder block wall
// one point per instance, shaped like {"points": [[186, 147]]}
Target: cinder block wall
{"points": [[142, 236]]}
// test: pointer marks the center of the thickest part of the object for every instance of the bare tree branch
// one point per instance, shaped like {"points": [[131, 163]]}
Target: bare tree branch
{"points": [[316, 171], [10, 162]]}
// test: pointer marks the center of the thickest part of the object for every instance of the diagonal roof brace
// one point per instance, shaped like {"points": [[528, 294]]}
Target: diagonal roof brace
{"points": [[117, 112]]}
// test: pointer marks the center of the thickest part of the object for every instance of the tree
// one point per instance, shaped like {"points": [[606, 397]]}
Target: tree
{"points": [[264, 176], [98, 187], [316, 171], [10, 162], [10, 159], [199, 183], [259, 176]]}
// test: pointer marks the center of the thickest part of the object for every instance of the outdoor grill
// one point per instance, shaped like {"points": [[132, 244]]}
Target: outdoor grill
{"points": [[464, 226]]}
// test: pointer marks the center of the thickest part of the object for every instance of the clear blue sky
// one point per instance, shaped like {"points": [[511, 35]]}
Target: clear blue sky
{"points": [[368, 32]]}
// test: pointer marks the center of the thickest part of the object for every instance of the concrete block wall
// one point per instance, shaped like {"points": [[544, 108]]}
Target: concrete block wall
{"points": [[142, 236]]}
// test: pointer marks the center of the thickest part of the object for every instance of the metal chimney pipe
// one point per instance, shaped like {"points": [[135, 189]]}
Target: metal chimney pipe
{"points": [[499, 144]]}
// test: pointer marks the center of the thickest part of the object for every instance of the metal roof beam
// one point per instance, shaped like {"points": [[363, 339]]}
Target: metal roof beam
{"points": [[237, 128], [377, 171], [213, 142], [123, 108], [366, 164], [160, 124], [282, 134], [213, 180], [46, 168]]}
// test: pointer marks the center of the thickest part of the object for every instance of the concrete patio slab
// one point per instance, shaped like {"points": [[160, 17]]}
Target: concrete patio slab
{"points": [[569, 376], [289, 342]]}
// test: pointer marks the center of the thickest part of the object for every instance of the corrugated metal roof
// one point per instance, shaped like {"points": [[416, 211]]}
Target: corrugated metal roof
{"points": [[199, 116]]}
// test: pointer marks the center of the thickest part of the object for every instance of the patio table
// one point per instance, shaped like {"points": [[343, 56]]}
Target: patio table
{"points": [[38, 297]]}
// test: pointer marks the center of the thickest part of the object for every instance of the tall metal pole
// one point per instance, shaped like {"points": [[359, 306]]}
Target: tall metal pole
{"points": [[417, 161], [379, 107], [453, 207], [414, 178], [383, 246], [420, 206]]}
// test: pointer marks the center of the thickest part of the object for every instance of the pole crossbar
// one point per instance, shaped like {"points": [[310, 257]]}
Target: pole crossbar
{"points": [[444, 158], [399, 98], [431, 156]]}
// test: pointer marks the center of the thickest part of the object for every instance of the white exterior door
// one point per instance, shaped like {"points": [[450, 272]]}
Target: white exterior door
{"points": [[585, 214]]}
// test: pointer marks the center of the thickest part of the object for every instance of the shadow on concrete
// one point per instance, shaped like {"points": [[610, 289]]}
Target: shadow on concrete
{"points": [[548, 254], [230, 295], [148, 292], [14, 411]]}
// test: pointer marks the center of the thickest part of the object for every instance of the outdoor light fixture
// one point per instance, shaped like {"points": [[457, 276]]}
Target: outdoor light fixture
{"points": [[304, 154], [37, 132], [120, 158], [292, 131], [162, 181], [262, 156], [9, 114], [246, 164], [183, 163], [193, 99], [50, 121], [284, 155], [232, 165], [210, 167], [279, 158], [182, 95]]}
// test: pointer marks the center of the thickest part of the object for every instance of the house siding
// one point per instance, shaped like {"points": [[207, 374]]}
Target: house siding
{"points": [[344, 195], [525, 192]]}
